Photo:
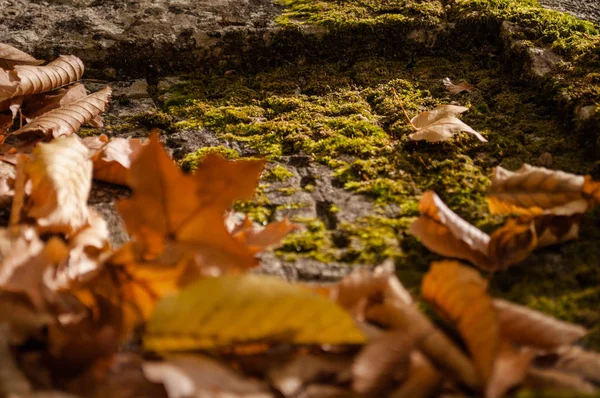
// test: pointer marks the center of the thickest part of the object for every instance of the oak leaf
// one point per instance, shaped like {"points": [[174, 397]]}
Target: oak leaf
{"points": [[60, 175], [457, 88], [440, 124], [528, 327], [229, 310], [536, 190], [112, 158], [10, 56], [460, 294], [67, 119]]}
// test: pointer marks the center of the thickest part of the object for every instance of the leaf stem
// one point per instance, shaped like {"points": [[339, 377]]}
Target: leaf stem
{"points": [[403, 110]]}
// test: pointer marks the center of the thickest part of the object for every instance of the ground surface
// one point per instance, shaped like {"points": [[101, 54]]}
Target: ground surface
{"points": [[309, 86], [588, 9]]}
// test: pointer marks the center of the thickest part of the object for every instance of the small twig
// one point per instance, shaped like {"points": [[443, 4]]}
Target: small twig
{"points": [[403, 110]]}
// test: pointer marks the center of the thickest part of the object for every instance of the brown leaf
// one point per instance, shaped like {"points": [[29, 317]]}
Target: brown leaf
{"points": [[112, 159], [38, 104], [60, 174], [197, 376], [261, 239], [457, 88], [551, 229], [9, 81], [536, 190], [10, 56], [64, 70], [510, 369], [67, 119], [423, 379], [460, 293], [440, 124], [528, 327], [512, 243], [188, 210], [380, 361], [556, 382], [291, 378], [444, 232], [574, 359]]}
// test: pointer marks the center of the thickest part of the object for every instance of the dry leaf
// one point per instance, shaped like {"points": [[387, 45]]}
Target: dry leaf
{"points": [[64, 70], [510, 369], [512, 243], [553, 381], [460, 293], [38, 104], [574, 359], [536, 190], [112, 159], [457, 88], [187, 211], [444, 232], [187, 376], [261, 239], [381, 361], [551, 229], [10, 56], [423, 379], [290, 378], [229, 310], [67, 119], [9, 81], [528, 327], [440, 124], [60, 173]]}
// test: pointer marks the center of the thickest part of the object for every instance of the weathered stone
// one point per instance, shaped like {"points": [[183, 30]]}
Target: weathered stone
{"points": [[542, 61]]}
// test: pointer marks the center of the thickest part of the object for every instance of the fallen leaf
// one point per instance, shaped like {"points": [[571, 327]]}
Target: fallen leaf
{"points": [[229, 310], [457, 88], [60, 173], [552, 381], [187, 212], [440, 124], [261, 239], [528, 327], [380, 361], [64, 70], [460, 293], [67, 119], [512, 243], [444, 232], [423, 379], [510, 369], [576, 360], [536, 190], [292, 377], [187, 376], [9, 81], [112, 159], [10, 56], [36, 105]]}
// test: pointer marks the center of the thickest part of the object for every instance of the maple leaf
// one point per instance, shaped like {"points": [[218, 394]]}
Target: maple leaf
{"points": [[188, 210], [112, 158], [10, 56], [457, 88]]}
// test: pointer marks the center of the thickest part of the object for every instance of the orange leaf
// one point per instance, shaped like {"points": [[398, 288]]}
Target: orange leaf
{"points": [[112, 159]]}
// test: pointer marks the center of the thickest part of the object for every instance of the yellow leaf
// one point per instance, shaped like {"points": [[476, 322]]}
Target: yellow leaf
{"points": [[460, 293], [228, 310], [536, 190]]}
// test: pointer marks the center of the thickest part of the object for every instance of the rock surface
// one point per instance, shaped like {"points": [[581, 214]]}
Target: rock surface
{"points": [[586, 9]]}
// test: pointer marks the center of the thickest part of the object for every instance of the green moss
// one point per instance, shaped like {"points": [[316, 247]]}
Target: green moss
{"points": [[278, 173], [312, 242], [155, 119], [191, 160]]}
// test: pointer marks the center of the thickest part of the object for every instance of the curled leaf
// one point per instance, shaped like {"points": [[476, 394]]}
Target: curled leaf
{"points": [[574, 359], [528, 327], [457, 88], [461, 296], [36, 105], [440, 124], [64, 70], [10, 56], [228, 310], [67, 119], [423, 379], [552, 381], [112, 159]]}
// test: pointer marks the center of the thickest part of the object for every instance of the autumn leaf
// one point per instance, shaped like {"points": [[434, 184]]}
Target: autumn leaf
{"points": [[112, 158], [457, 88], [444, 232], [440, 124], [512, 243], [576, 360], [67, 119], [260, 239], [10, 56], [510, 369], [552, 381], [60, 173], [229, 310], [461, 296], [38, 104], [9, 82], [536, 190], [423, 379], [188, 210], [528, 327]]}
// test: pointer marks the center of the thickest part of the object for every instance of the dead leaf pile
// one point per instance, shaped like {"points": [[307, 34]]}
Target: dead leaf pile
{"points": [[177, 312], [550, 205]]}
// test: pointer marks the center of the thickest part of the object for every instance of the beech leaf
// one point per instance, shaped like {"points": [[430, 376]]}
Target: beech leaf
{"points": [[67, 119], [229, 310], [10, 56], [440, 124], [457, 88], [460, 293]]}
